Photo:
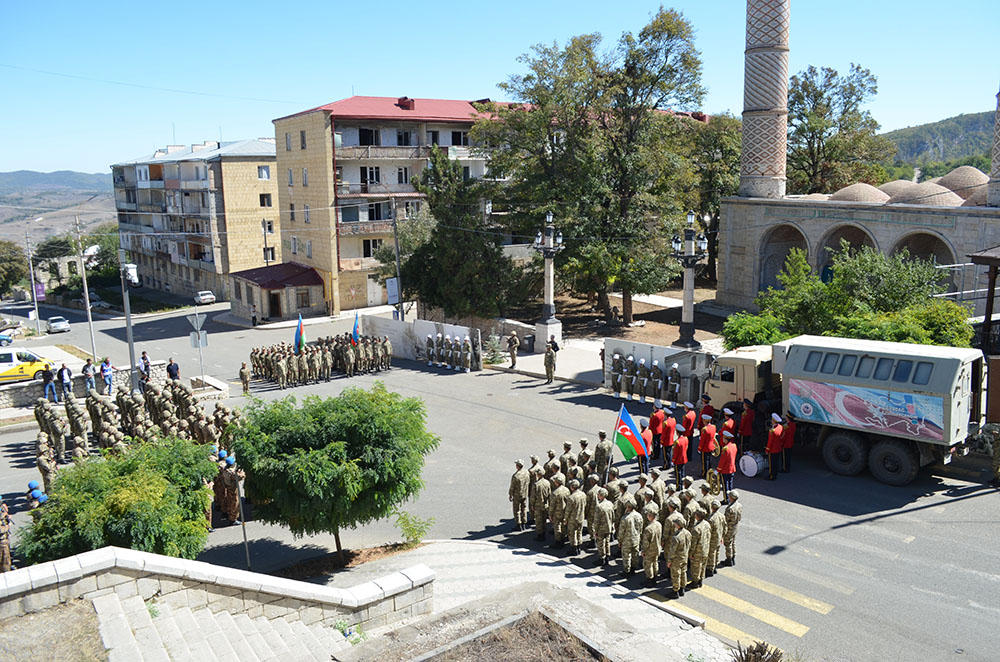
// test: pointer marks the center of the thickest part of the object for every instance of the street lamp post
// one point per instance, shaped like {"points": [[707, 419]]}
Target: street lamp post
{"points": [[548, 245], [690, 251]]}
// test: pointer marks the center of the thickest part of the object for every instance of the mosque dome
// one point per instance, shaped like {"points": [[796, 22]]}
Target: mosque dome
{"points": [[977, 199], [896, 187], [816, 196], [860, 192], [965, 181], [932, 180], [929, 194]]}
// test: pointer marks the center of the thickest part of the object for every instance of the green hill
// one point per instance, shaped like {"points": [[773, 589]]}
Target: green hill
{"points": [[955, 138]]}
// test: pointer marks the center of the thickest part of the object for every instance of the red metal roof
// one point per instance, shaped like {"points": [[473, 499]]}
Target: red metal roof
{"points": [[280, 276], [394, 108]]}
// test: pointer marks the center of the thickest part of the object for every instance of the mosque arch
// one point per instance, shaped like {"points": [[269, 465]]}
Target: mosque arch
{"points": [[855, 235], [774, 249], [926, 245]]}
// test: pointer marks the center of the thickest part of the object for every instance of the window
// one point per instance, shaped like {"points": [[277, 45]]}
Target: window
{"points": [[6, 357], [369, 246], [723, 373], [309, 248], [865, 367], [411, 208], [288, 142], [922, 375], [403, 138], [376, 211], [829, 363], [403, 175], [349, 214], [847, 365], [265, 199], [305, 176], [302, 139], [902, 372], [268, 256], [338, 172], [236, 290], [295, 245], [268, 226], [305, 214], [291, 212], [883, 368], [302, 298], [369, 137], [460, 138], [812, 361], [291, 178], [263, 172], [249, 295], [433, 137], [466, 173], [370, 175]]}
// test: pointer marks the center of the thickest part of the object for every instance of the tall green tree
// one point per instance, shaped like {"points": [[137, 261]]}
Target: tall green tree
{"points": [[152, 498], [333, 463], [716, 157], [105, 238], [13, 265], [832, 139], [461, 268]]}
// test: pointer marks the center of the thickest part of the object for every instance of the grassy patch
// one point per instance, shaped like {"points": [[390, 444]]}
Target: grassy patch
{"points": [[75, 351]]}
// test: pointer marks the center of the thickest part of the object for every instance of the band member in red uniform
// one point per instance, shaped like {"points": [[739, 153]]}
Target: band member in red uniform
{"points": [[746, 426], [656, 427], [706, 408], [680, 454], [786, 449], [728, 423], [727, 463], [667, 439], [690, 421], [706, 443], [775, 444]]}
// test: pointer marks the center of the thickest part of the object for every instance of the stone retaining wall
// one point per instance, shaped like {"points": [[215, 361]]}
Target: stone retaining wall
{"points": [[194, 584], [24, 394]]}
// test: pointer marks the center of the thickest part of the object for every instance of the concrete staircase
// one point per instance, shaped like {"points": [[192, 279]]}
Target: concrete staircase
{"points": [[132, 634]]}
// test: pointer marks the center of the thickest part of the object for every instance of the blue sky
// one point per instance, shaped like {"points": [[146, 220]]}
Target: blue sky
{"points": [[930, 59]]}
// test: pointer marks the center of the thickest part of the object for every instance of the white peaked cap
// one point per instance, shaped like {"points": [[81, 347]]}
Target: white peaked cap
{"points": [[727, 411], [687, 403], [674, 366], [707, 417], [776, 418], [643, 361]]}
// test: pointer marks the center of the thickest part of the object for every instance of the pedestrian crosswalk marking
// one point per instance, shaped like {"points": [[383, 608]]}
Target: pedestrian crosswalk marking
{"points": [[723, 630], [786, 594], [814, 578], [752, 610]]}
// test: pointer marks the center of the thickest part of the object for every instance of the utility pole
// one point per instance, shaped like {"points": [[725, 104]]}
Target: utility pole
{"points": [[399, 281], [86, 291], [133, 386], [31, 272]]}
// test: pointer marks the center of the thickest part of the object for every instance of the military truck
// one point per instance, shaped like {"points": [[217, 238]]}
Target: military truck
{"points": [[893, 407]]}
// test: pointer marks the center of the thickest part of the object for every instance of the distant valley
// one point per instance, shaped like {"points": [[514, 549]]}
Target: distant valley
{"points": [[56, 197]]}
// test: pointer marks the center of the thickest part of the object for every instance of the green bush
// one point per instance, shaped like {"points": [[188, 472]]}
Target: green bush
{"points": [[152, 498], [744, 329], [412, 527]]}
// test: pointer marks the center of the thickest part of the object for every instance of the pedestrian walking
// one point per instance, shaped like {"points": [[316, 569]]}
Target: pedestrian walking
{"points": [[89, 376]]}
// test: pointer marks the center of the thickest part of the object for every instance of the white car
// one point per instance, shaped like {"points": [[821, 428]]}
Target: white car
{"points": [[57, 325], [205, 296]]}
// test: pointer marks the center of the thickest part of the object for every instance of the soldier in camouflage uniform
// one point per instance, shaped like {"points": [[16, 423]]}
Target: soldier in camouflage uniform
{"points": [[576, 508], [629, 537], [733, 515], [557, 510], [717, 520], [517, 493], [430, 350], [467, 354], [700, 540], [677, 555], [651, 545], [601, 526], [540, 493]]}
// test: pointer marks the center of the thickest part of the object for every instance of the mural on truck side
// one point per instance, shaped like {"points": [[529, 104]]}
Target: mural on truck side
{"points": [[906, 414]]}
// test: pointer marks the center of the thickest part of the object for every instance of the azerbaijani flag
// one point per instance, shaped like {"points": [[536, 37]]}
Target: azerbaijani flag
{"points": [[299, 343], [627, 436], [355, 336]]}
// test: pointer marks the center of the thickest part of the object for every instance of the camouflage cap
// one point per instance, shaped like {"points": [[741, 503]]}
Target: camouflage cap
{"points": [[602, 492], [574, 484]]}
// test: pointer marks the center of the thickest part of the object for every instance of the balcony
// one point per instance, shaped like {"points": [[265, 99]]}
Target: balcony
{"points": [[358, 264], [194, 184], [121, 205], [373, 152], [153, 207], [353, 228], [151, 183]]}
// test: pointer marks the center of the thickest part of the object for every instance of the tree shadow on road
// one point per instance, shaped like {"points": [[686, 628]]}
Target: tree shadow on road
{"points": [[267, 555]]}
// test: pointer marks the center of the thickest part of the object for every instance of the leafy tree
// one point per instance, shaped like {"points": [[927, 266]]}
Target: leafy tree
{"points": [[831, 139], [716, 155], [53, 247], [152, 498], [105, 237], [413, 232], [333, 463], [871, 295], [13, 265], [461, 268]]}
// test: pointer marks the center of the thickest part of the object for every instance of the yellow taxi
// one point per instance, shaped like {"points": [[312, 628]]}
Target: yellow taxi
{"points": [[17, 364]]}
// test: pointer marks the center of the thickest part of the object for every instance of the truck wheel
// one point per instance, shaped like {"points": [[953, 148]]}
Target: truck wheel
{"points": [[893, 462], [845, 453]]}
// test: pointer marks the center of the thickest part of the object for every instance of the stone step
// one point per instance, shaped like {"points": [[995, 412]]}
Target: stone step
{"points": [[257, 640], [279, 649], [173, 638], [193, 637], [237, 639], [217, 642], [116, 635]]}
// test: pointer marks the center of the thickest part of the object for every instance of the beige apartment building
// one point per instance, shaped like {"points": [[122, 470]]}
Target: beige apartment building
{"points": [[345, 171], [189, 216]]}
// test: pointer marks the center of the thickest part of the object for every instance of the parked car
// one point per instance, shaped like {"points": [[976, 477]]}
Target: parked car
{"points": [[205, 296], [6, 339], [57, 325], [21, 364]]}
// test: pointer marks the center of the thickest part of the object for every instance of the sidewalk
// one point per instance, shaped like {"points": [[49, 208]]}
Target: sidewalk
{"points": [[231, 320], [470, 570], [578, 360]]}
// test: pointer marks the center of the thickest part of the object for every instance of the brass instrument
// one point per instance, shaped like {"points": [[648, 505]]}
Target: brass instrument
{"points": [[717, 451], [714, 481]]}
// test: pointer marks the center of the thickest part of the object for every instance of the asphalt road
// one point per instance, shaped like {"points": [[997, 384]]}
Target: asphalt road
{"points": [[834, 568]]}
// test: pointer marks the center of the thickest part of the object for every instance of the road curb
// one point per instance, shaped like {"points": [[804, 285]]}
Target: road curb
{"points": [[515, 371]]}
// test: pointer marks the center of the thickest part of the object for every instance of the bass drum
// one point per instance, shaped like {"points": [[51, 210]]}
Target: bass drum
{"points": [[752, 463]]}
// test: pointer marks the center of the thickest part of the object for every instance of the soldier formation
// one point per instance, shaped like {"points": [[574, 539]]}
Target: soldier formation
{"points": [[642, 381], [577, 492], [459, 354], [319, 361]]}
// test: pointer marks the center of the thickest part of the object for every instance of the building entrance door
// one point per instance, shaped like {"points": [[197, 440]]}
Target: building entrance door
{"points": [[274, 301], [374, 292]]}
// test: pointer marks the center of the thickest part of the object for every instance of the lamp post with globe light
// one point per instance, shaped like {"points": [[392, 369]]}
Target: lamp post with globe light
{"points": [[689, 252], [549, 245]]}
